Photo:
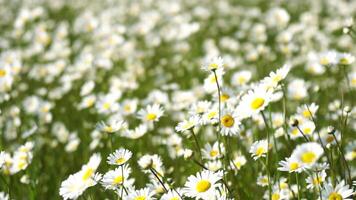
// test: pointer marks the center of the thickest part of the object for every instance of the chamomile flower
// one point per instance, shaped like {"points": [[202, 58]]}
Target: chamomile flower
{"points": [[328, 58], [212, 64], [77, 183], [238, 162], [308, 153], [214, 165], [241, 78], [141, 194], [115, 178], [262, 180], [151, 113], [186, 125], [172, 195], [203, 185], [254, 101], [119, 157], [274, 78], [111, 127], [308, 111], [212, 152], [259, 149], [290, 165], [151, 161], [340, 192], [316, 180], [230, 124], [346, 58]]}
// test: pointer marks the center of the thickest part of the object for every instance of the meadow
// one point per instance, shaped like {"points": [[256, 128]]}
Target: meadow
{"points": [[178, 99]]}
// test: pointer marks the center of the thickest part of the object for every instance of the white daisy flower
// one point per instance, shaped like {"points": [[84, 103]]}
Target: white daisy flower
{"points": [[212, 64], [151, 113], [308, 153], [259, 149], [212, 152], [142, 194], [186, 125], [340, 192], [290, 165], [119, 157], [112, 126], [253, 102], [115, 178], [316, 179], [230, 124], [203, 185]]}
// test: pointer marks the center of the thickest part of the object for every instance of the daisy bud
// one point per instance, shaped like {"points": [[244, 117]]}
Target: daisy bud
{"points": [[295, 123], [331, 130]]}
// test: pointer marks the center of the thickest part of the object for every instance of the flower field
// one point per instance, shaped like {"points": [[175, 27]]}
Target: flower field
{"points": [[178, 99]]}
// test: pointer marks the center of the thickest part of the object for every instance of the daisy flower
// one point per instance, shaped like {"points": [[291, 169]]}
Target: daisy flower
{"points": [[172, 195], [212, 64], [328, 58], [187, 124], [254, 101], [346, 59], [340, 192], [308, 153], [262, 180], [241, 78], [308, 111], [290, 165], [119, 157], [151, 113], [259, 149], [316, 179], [77, 183], [212, 152], [229, 123], [142, 194], [274, 78], [111, 127], [151, 161], [114, 178], [137, 132], [203, 185], [238, 162]]}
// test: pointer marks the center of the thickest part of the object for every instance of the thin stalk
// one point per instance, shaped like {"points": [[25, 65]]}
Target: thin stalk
{"points": [[219, 103], [197, 143], [267, 159], [297, 179], [343, 158], [159, 180]]}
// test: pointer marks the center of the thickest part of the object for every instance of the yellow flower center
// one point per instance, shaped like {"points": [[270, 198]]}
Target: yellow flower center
{"points": [[308, 157], [277, 78], [108, 129], [203, 186], [294, 166], [174, 198], [140, 198], [106, 106], [317, 181], [307, 130], [275, 196], [127, 108], [241, 80], [227, 121], [306, 113], [260, 151], [151, 116], [118, 180], [295, 131], [120, 161], [324, 61], [257, 103], [87, 174], [335, 196], [344, 61], [213, 66], [213, 153], [211, 115], [224, 97], [2, 73]]}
